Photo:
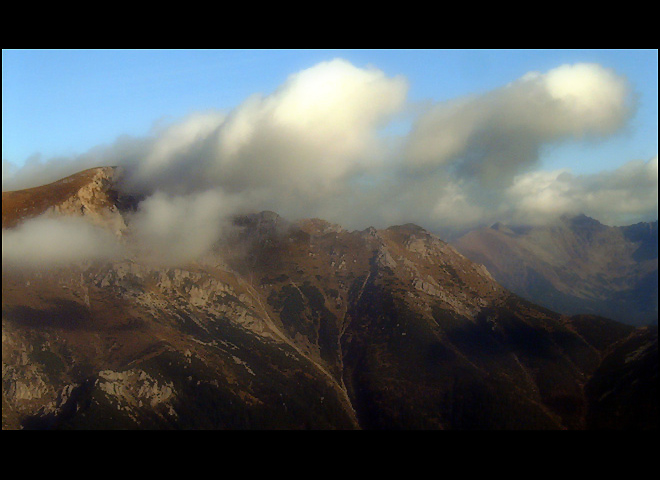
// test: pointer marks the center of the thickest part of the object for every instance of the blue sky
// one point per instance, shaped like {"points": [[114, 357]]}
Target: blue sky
{"points": [[62, 103]]}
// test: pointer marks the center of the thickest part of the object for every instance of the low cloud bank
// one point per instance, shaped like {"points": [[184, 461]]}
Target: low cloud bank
{"points": [[45, 242], [316, 147]]}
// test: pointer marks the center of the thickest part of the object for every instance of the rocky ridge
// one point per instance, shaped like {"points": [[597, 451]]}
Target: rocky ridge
{"points": [[90, 193], [291, 325]]}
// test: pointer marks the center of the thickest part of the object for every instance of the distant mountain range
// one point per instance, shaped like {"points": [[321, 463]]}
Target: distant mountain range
{"points": [[575, 266], [301, 325]]}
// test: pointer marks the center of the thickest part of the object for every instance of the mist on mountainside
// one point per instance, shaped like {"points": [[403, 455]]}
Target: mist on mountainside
{"points": [[303, 325]]}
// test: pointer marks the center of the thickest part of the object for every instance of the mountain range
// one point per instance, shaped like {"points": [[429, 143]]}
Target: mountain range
{"points": [[577, 265], [299, 325]]}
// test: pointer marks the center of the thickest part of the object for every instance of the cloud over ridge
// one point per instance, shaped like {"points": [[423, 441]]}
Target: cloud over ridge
{"points": [[315, 147]]}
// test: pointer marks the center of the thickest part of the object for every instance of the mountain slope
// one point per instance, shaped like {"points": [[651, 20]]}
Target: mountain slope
{"points": [[294, 325], [576, 266]]}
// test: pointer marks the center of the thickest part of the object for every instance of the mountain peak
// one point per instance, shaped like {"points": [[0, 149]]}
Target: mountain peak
{"points": [[89, 193], [501, 227], [408, 227], [318, 226], [581, 221], [264, 222]]}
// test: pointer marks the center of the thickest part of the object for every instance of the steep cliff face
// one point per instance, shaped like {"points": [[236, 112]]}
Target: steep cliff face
{"points": [[290, 325], [576, 266]]}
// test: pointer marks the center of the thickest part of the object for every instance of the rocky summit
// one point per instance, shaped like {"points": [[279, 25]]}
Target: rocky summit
{"points": [[300, 325]]}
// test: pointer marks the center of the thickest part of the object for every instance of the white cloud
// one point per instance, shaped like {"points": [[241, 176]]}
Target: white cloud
{"points": [[591, 98], [312, 132], [494, 136]]}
